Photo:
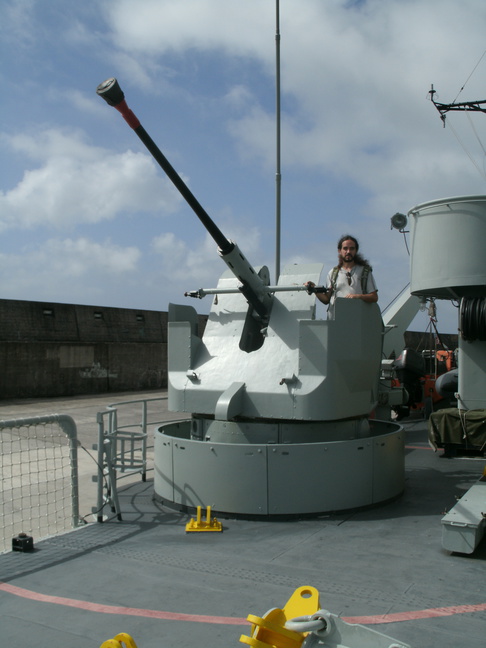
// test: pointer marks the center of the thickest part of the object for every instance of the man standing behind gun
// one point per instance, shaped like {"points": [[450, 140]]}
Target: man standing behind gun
{"points": [[351, 278]]}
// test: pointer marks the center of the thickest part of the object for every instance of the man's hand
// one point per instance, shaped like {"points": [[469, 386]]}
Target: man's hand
{"points": [[311, 287]]}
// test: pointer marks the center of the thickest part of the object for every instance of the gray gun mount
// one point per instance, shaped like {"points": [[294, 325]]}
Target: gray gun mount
{"points": [[285, 429], [306, 369], [280, 401]]}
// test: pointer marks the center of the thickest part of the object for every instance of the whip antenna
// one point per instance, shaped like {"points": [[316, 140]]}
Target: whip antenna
{"points": [[278, 176]]}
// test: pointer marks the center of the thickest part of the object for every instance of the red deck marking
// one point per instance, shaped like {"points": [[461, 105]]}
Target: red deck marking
{"points": [[114, 609], [417, 614], [409, 447], [200, 618]]}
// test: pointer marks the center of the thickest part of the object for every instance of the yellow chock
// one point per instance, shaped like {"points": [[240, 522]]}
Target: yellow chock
{"points": [[119, 641], [204, 525], [270, 630]]}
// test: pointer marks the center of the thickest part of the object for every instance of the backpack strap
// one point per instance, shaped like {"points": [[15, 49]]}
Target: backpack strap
{"points": [[334, 276], [364, 278]]}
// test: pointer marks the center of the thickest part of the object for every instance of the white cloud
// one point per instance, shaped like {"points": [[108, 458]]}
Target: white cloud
{"points": [[156, 26], [239, 97], [67, 270], [198, 265], [79, 100], [77, 183], [80, 256], [17, 25]]}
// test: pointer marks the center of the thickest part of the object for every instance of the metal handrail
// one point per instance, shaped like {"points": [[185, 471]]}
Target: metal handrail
{"points": [[117, 451]]}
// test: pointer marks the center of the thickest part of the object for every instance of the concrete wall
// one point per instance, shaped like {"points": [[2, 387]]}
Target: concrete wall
{"points": [[50, 349]]}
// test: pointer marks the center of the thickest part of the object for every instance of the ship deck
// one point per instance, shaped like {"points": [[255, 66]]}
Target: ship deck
{"points": [[384, 567]]}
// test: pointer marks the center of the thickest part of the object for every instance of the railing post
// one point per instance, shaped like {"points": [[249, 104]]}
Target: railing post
{"points": [[101, 476]]}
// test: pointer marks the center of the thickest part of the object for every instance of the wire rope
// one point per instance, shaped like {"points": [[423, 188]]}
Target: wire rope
{"points": [[474, 131], [481, 173], [473, 70]]}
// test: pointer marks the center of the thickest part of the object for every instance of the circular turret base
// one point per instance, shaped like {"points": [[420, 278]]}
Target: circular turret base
{"points": [[278, 479]]}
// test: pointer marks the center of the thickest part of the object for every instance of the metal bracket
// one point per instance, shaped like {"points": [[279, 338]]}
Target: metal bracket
{"points": [[330, 630]]}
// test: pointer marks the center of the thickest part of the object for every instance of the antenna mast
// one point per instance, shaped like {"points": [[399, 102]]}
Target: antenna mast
{"points": [[278, 176]]}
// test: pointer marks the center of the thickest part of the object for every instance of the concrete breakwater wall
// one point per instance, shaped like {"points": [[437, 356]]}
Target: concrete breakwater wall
{"points": [[51, 349]]}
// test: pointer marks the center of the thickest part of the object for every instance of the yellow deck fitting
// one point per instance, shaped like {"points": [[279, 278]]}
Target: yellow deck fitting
{"points": [[270, 630], [122, 640], [204, 525]]}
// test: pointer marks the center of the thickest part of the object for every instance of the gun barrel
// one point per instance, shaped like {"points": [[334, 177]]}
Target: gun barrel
{"points": [[202, 292], [252, 285], [111, 92]]}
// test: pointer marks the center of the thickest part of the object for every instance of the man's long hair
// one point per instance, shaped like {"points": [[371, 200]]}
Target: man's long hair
{"points": [[358, 259]]}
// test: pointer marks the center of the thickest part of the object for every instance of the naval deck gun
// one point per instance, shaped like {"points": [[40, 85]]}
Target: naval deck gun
{"points": [[281, 403]]}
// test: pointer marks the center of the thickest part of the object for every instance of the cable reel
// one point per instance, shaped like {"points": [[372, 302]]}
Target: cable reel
{"points": [[472, 319]]}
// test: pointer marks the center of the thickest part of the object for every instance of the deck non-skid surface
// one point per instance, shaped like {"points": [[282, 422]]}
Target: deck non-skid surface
{"points": [[167, 588]]}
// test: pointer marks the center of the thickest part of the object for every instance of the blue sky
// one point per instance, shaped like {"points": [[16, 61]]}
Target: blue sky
{"points": [[87, 217]]}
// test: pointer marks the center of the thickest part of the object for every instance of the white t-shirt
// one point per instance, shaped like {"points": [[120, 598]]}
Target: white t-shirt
{"points": [[348, 282]]}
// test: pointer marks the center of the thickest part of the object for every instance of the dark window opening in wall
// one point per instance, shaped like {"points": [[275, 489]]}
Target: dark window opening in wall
{"points": [[140, 318], [48, 312], [98, 315]]}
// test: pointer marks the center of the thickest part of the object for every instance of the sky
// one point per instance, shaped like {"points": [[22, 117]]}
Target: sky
{"points": [[87, 216]]}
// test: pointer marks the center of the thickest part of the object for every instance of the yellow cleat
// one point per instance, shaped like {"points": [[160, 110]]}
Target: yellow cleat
{"points": [[204, 525]]}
